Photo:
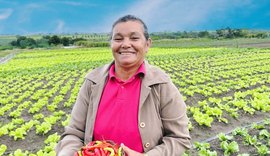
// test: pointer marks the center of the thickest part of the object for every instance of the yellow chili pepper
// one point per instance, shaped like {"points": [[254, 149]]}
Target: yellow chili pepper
{"points": [[110, 150], [120, 151]]}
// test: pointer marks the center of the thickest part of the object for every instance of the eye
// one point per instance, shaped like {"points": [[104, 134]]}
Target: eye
{"points": [[135, 38], [117, 39]]}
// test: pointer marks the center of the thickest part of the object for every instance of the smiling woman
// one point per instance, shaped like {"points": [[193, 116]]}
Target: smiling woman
{"points": [[128, 101], [129, 47]]}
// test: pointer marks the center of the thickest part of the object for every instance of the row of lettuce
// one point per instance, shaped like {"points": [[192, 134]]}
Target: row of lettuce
{"points": [[39, 88]]}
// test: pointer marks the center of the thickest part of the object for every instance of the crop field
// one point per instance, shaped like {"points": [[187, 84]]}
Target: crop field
{"points": [[227, 92]]}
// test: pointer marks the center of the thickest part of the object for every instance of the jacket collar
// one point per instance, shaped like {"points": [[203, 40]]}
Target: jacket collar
{"points": [[153, 75]]}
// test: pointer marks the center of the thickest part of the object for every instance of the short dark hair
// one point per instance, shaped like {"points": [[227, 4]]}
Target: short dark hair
{"points": [[127, 18]]}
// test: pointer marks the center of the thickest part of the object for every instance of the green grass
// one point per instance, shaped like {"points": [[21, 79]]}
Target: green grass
{"points": [[184, 43], [5, 40], [205, 42], [5, 53]]}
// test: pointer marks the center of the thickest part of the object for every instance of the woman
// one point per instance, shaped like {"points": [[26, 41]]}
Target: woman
{"points": [[129, 101]]}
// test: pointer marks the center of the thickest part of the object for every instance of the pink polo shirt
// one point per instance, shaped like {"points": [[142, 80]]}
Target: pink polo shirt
{"points": [[117, 115]]}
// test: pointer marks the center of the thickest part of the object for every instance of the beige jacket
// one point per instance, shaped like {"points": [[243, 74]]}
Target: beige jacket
{"points": [[163, 123]]}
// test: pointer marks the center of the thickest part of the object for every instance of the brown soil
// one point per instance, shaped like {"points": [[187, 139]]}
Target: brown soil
{"points": [[34, 142], [202, 133], [256, 45]]}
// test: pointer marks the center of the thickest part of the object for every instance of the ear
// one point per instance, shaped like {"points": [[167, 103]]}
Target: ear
{"points": [[148, 44]]}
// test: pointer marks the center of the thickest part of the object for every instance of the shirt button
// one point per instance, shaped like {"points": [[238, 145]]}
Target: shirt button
{"points": [[142, 124], [146, 145]]}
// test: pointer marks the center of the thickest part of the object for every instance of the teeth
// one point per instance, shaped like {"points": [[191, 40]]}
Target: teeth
{"points": [[125, 53]]}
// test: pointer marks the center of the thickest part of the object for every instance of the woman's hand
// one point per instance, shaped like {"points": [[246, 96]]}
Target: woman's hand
{"points": [[130, 152]]}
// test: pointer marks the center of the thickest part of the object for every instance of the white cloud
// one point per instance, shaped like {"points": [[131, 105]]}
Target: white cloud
{"points": [[74, 3], [60, 26], [5, 13], [171, 15], [167, 15], [140, 9], [25, 12]]}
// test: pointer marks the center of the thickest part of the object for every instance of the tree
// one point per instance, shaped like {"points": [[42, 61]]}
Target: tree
{"points": [[261, 35], [43, 42], [46, 37], [27, 42], [19, 39], [14, 43], [204, 34], [240, 33], [65, 41], [54, 40], [221, 33]]}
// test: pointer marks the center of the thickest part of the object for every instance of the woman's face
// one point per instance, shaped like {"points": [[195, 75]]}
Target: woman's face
{"points": [[129, 45]]}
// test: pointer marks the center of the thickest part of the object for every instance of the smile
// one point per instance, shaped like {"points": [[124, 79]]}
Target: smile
{"points": [[126, 53]]}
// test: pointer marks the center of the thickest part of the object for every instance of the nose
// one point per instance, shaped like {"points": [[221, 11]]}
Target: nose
{"points": [[126, 43]]}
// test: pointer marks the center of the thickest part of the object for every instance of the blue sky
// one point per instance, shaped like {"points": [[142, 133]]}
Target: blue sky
{"points": [[89, 16]]}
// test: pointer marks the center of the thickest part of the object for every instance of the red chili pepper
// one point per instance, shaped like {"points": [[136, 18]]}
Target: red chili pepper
{"points": [[97, 152], [87, 152], [102, 152], [100, 148], [106, 152]]}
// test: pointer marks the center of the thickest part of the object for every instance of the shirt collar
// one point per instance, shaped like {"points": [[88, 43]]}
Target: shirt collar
{"points": [[141, 70]]}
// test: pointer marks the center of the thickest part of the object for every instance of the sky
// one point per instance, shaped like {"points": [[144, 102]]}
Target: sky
{"points": [[27, 17]]}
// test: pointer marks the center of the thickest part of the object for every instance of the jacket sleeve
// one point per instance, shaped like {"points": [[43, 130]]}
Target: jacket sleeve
{"points": [[176, 138], [73, 137]]}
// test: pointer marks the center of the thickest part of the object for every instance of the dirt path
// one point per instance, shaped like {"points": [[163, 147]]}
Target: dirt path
{"points": [[8, 57], [255, 45], [202, 133]]}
